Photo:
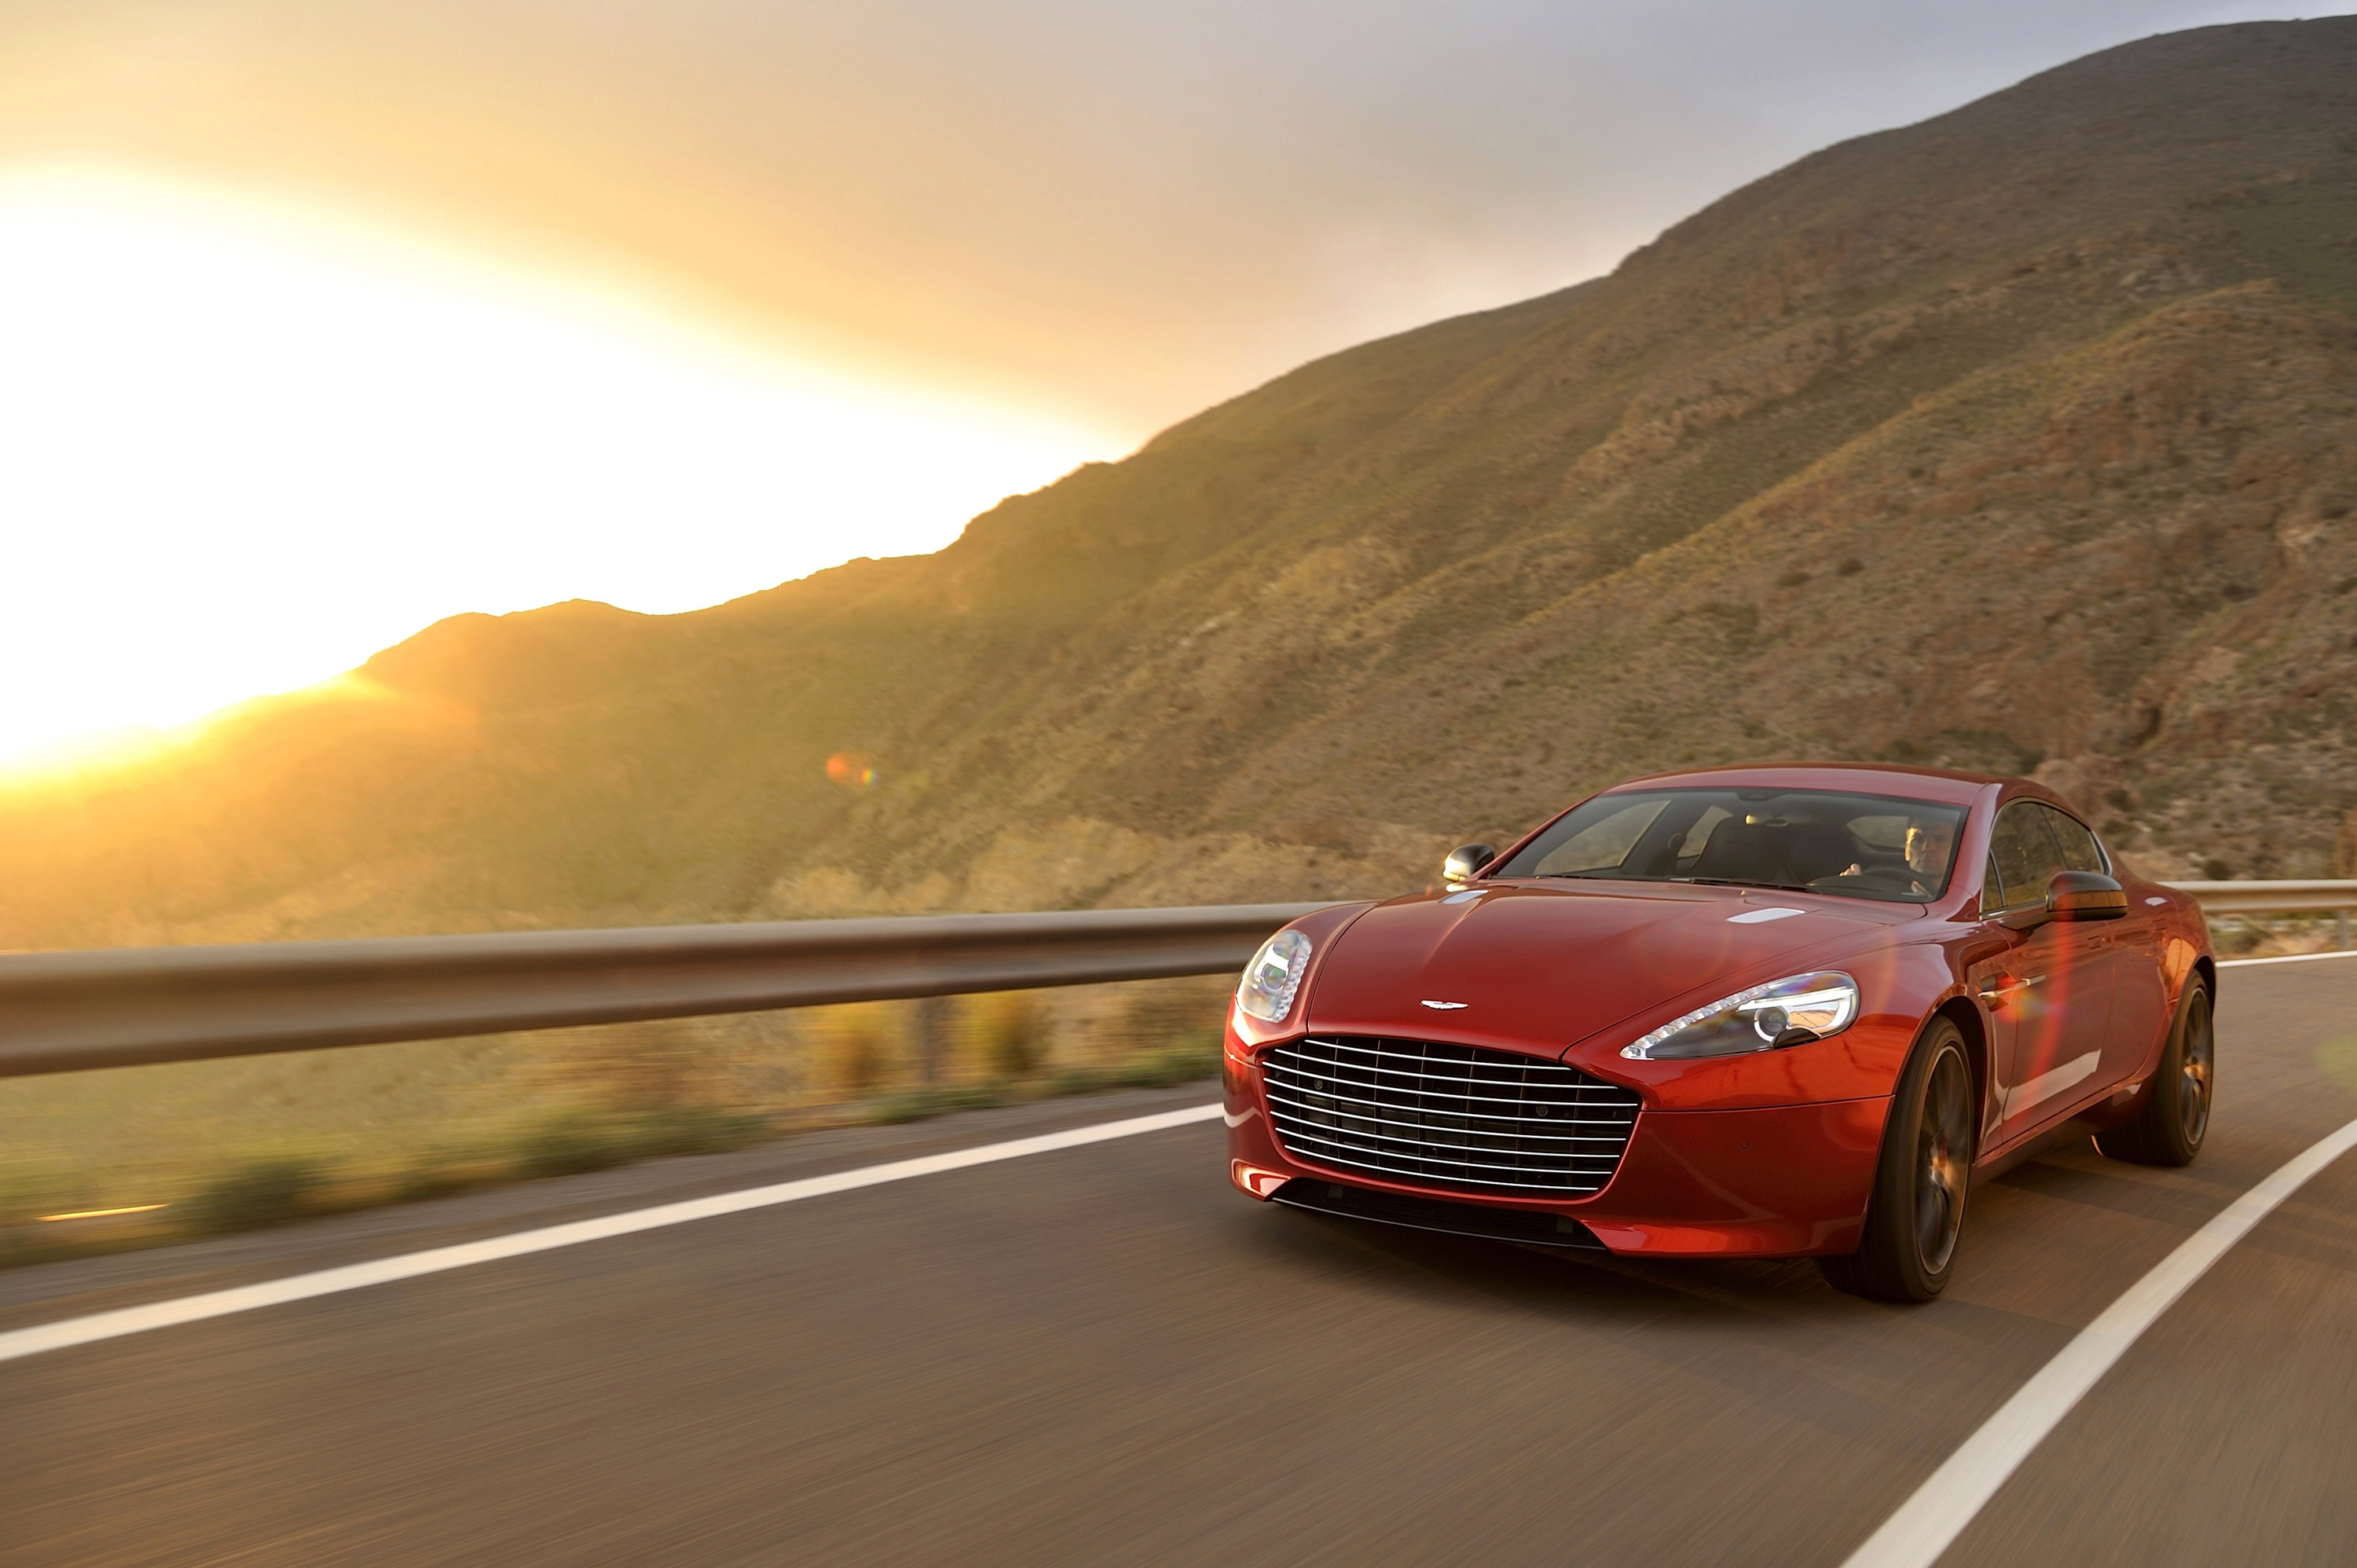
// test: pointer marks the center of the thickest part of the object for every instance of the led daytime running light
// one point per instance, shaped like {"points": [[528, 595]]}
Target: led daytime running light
{"points": [[1273, 977], [1829, 997]]}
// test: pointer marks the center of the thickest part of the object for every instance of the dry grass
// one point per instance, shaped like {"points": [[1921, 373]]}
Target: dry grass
{"points": [[2273, 936], [205, 1147]]}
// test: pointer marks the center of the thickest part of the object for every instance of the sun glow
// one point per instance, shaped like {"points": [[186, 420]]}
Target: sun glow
{"points": [[242, 446]]}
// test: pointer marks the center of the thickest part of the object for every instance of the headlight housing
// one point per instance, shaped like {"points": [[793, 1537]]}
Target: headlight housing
{"points": [[1273, 977], [1789, 1012]]}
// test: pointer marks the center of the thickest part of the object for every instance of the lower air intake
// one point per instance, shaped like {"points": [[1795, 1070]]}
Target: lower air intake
{"points": [[1534, 1227]]}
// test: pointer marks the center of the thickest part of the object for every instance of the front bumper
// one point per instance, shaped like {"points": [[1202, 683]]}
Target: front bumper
{"points": [[1778, 1181]]}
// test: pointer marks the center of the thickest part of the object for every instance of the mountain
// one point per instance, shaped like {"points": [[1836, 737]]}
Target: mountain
{"points": [[2024, 438]]}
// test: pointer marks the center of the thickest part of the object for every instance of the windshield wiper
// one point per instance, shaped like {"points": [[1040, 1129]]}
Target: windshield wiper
{"points": [[1616, 875], [1740, 882]]}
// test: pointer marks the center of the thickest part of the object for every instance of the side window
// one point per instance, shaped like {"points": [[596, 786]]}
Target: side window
{"points": [[1992, 887], [2026, 854], [2078, 845]]}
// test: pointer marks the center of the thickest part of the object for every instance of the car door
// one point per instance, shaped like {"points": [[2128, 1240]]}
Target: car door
{"points": [[2047, 989], [2132, 952]]}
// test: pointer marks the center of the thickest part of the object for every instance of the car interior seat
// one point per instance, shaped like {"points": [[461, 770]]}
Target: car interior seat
{"points": [[1742, 851], [1814, 851]]}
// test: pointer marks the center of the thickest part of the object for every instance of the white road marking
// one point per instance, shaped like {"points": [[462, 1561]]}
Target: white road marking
{"points": [[2287, 958], [114, 1325], [1928, 1523]]}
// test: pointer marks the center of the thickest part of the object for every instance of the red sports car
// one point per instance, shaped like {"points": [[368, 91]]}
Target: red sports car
{"points": [[1750, 1012]]}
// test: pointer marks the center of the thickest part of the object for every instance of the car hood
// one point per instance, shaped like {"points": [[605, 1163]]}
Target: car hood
{"points": [[1541, 968]]}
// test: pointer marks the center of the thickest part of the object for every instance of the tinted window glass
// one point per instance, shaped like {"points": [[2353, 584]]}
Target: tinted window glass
{"points": [[2026, 853], [1602, 843], [1992, 887], [1857, 846], [1697, 837], [2077, 845]]}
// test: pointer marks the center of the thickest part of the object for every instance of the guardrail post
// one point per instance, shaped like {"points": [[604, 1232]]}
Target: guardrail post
{"points": [[932, 1040], [2340, 930]]}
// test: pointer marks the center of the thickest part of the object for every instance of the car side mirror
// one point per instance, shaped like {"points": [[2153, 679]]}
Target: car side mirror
{"points": [[2084, 896], [1465, 862]]}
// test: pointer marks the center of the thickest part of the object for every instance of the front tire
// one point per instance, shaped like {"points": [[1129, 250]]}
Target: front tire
{"points": [[2176, 1115], [1916, 1214]]}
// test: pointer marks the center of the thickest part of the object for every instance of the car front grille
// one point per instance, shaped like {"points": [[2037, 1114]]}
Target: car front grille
{"points": [[1454, 1117]]}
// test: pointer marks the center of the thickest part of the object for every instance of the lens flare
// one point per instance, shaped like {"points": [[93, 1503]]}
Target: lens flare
{"points": [[103, 1213], [251, 442], [851, 770]]}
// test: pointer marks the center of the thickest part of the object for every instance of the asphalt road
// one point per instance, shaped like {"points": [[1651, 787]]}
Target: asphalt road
{"points": [[1105, 1356]]}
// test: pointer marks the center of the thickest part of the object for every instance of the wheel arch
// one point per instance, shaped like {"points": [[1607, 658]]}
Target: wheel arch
{"points": [[1960, 1011]]}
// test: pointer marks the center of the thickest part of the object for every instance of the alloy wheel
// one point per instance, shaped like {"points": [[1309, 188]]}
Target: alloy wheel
{"points": [[1943, 1160], [2193, 1070]]}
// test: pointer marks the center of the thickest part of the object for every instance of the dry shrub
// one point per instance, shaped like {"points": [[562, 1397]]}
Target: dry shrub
{"points": [[1010, 1031], [857, 1047], [263, 1189], [28, 1190], [656, 1065], [1182, 1016]]}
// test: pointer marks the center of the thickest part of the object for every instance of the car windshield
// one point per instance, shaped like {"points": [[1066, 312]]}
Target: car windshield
{"points": [[1806, 841]]}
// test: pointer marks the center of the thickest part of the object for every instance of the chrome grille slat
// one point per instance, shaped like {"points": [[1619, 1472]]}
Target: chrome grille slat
{"points": [[1478, 1086], [1464, 1069], [1618, 1119], [1454, 1083], [1620, 1125], [1458, 1152], [1446, 1116], [1453, 1162], [1518, 1071]]}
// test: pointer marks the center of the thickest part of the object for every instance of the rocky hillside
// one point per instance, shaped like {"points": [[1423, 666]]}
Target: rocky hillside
{"points": [[2024, 438]]}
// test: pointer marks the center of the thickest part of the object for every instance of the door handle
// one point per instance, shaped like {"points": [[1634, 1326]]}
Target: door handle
{"points": [[1997, 990]]}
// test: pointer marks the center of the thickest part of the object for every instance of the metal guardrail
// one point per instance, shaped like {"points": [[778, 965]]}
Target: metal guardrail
{"points": [[2334, 898], [2271, 897], [122, 1007]]}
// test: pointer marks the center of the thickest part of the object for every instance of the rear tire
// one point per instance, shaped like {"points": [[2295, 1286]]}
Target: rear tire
{"points": [[2176, 1115], [1915, 1216]]}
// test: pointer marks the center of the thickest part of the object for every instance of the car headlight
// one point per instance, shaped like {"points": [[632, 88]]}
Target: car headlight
{"points": [[1273, 976], [1781, 1013]]}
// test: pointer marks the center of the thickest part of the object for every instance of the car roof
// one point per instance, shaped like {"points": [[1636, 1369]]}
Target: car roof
{"points": [[1941, 784]]}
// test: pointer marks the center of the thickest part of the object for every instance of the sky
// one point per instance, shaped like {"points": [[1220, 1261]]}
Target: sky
{"points": [[322, 319]]}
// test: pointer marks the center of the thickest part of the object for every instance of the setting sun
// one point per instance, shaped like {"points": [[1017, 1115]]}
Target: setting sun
{"points": [[248, 445]]}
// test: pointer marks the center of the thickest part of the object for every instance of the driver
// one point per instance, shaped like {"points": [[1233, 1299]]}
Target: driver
{"points": [[1927, 848], [1929, 845]]}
